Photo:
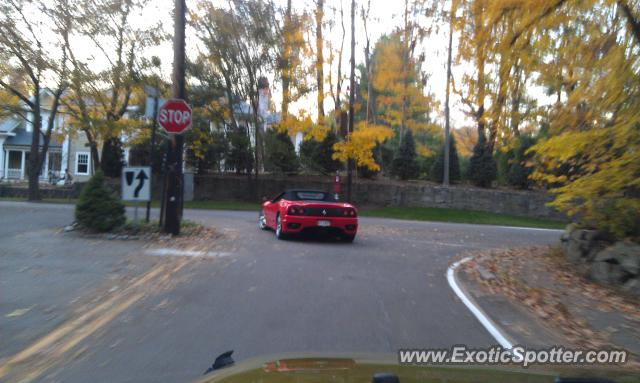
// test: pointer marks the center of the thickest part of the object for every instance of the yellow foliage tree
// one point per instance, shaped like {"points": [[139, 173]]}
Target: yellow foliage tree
{"points": [[359, 147], [591, 156], [389, 82]]}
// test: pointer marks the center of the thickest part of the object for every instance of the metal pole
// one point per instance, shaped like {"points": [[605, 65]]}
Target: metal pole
{"points": [[174, 156], [154, 126], [352, 90]]}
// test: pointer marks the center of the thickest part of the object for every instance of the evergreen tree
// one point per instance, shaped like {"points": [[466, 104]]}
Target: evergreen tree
{"points": [[518, 175], [280, 154], [482, 166], [112, 157], [316, 156], [437, 169], [239, 158], [98, 208], [404, 164]]}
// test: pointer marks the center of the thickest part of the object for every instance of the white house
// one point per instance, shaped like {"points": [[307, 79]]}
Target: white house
{"points": [[65, 152], [15, 146]]}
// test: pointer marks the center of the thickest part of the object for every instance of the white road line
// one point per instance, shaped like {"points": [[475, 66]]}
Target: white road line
{"points": [[477, 311], [529, 228]]}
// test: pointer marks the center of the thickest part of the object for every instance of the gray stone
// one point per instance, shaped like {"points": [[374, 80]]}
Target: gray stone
{"points": [[616, 274], [600, 272], [606, 255], [573, 251], [607, 273], [485, 274], [69, 228], [626, 254], [111, 236], [632, 286]]}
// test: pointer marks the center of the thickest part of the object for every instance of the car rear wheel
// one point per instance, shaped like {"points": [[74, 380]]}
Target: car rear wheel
{"points": [[262, 221], [279, 233]]}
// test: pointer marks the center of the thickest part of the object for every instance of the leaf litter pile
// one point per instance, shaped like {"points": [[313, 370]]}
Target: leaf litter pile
{"points": [[588, 314]]}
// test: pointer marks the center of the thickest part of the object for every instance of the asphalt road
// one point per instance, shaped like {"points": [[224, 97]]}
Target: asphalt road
{"points": [[166, 318]]}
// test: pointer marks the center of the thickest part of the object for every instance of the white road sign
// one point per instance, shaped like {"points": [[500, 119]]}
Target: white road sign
{"points": [[136, 183]]}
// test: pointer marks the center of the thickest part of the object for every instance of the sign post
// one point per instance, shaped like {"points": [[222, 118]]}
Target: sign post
{"points": [[175, 118]]}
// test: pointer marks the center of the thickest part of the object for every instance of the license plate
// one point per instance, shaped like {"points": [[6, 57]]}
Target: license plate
{"points": [[324, 223]]}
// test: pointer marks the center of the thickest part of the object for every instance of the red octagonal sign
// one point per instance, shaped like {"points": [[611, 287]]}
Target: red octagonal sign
{"points": [[175, 116]]}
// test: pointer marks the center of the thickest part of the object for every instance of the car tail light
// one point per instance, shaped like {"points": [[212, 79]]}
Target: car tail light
{"points": [[295, 210], [349, 212]]}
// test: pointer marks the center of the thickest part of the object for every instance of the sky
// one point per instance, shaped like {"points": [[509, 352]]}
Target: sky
{"points": [[384, 17]]}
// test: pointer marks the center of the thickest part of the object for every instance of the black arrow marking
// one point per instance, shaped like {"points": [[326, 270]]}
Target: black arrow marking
{"points": [[129, 177], [141, 177]]}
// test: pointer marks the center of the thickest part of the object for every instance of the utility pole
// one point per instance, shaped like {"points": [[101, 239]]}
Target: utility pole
{"points": [[447, 136], [173, 186], [352, 90]]}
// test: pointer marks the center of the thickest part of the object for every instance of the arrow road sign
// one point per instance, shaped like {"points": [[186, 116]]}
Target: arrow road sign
{"points": [[136, 183]]}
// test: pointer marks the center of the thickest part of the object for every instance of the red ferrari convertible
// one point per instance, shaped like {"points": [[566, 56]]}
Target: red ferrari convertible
{"points": [[297, 211]]}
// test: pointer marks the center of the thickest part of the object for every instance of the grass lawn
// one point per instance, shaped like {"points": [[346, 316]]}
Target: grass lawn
{"points": [[409, 213], [460, 216]]}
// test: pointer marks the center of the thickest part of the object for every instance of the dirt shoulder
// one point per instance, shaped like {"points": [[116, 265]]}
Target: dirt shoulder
{"points": [[561, 304]]}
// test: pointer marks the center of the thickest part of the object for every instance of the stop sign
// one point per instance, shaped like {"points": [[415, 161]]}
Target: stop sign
{"points": [[175, 116]]}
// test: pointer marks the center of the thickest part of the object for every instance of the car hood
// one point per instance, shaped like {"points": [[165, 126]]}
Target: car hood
{"points": [[361, 368]]}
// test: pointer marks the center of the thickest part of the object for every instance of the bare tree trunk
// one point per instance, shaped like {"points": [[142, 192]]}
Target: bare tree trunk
{"points": [[352, 92], [480, 63], [339, 78], [320, 59], [405, 62], [34, 187], [447, 116], [285, 65]]}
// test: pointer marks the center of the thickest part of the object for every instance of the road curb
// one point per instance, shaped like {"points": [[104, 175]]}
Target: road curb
{"points": [[466, 298]]}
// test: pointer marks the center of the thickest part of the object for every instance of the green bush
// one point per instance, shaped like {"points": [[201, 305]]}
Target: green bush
{"points": [[482, 166], [404, 164], [98, 209], [437, 169]]}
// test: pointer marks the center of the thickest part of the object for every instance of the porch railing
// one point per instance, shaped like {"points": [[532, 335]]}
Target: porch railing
{"points": [[13, 174]]}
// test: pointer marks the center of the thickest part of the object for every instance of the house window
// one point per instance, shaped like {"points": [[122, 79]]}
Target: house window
{"points": [[82, 163]]}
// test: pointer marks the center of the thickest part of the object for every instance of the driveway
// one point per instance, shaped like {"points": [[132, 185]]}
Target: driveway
{"points": [[384, 292]]}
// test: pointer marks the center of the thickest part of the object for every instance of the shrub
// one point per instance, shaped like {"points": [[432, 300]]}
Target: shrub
{"points": [[98, 209], [404, 164], [437, 169]]}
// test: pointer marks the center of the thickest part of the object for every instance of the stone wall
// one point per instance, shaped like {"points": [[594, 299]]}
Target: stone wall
{"points": [[386, 193], [602, 259], [47, 192], [365, 193]]}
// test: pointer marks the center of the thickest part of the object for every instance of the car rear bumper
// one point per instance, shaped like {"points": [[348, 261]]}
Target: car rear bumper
{"points": [[296, 224]]}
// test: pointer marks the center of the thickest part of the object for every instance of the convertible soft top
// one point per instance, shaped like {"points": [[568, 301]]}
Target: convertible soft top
{"points": [[308, 195]]}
